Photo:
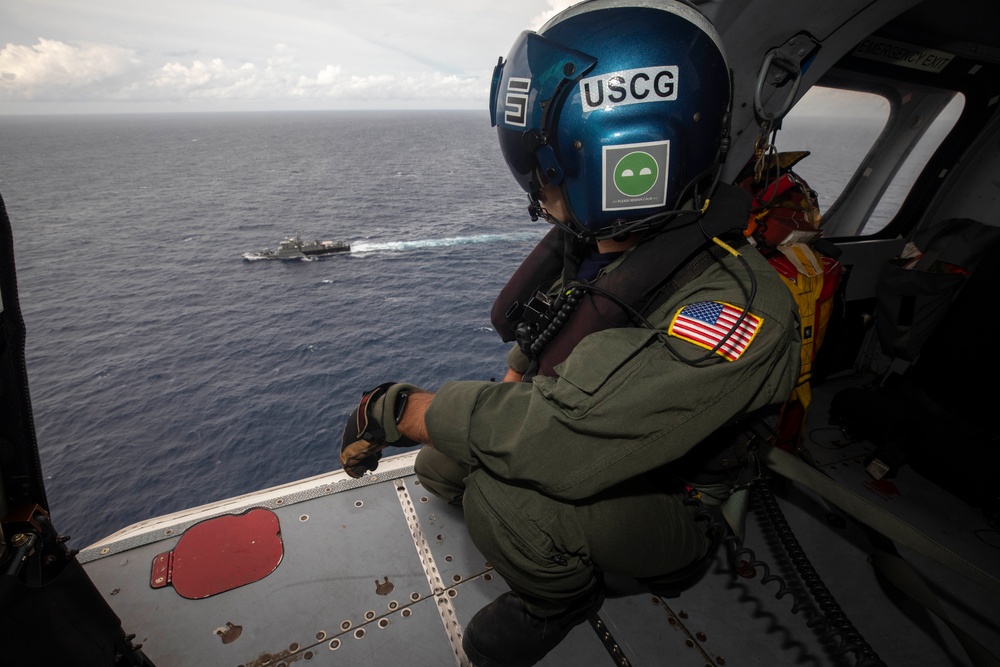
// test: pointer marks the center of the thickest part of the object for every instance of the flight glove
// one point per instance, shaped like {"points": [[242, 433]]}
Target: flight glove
{"points": [[372, 427]]}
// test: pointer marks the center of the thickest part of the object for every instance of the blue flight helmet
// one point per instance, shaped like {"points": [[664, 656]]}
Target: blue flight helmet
{"points": [[621, 103]]}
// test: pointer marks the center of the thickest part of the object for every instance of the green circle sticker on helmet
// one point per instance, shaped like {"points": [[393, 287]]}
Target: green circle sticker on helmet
{"points": [[636, 173]]}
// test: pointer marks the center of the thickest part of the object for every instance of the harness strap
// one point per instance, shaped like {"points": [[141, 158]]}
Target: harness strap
{"points": [[689, 272], [902, 575]]}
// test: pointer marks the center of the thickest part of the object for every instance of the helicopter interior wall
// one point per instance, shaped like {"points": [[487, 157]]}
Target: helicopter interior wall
{"points": [[20, 469], [750, 30], [971, 189], [957, 181]]}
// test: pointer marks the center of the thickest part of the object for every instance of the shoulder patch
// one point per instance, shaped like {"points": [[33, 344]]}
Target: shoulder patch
{"points": [[706, 323]]}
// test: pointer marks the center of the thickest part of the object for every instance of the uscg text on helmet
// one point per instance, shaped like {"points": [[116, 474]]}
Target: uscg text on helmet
{"points": [[631, 86]]}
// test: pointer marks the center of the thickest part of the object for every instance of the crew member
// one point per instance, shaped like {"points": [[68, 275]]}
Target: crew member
{"points": [[646, 334]]}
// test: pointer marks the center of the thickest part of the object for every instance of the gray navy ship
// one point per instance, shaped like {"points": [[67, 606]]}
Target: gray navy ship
{"points": [[293, 247]]}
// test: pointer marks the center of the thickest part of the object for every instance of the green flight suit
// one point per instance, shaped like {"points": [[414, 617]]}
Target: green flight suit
{"points": [[568, 476]]}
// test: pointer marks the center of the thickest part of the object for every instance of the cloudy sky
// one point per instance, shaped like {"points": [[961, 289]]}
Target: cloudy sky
{"points": [[92, 56]]}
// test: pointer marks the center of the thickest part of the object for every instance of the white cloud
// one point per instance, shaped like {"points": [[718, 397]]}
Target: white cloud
{"points": [[333, 84], [51, 67], [282, 78], [44, 72], [555, 6], [206, 54], [212, 79]]}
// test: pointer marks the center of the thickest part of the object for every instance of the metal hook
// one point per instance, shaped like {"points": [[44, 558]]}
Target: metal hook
{"points": [[774, 57]]}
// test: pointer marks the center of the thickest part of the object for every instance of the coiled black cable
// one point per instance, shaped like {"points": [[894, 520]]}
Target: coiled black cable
{"points": [[564, 306], [742, 559], [744, 562], [834, 621]]}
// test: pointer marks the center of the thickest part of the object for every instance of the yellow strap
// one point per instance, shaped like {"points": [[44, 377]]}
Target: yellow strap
{"points": [[803, 258]]}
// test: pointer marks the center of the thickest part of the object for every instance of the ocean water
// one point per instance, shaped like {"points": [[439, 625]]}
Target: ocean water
{"points": [[168, 372], [165, 370]]}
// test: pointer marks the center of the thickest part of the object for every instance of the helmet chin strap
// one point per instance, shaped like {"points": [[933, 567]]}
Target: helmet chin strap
{"points": [[536, 211]]}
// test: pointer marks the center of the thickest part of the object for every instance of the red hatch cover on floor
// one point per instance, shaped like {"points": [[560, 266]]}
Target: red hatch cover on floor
{"points": [[220, 554]]}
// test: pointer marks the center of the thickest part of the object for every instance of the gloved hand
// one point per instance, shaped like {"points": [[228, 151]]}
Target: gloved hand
{"points": [[372, 427]]}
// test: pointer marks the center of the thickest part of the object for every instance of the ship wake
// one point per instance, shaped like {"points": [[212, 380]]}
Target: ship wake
{"points": [[402, 246]]}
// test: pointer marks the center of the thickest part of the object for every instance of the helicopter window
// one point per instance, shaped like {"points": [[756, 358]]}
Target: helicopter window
{"points": [[904, 179], [838, 127]]}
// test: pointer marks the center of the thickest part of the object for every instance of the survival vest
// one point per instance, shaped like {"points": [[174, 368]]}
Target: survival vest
{"points": [[655, 268], [784, 225]]}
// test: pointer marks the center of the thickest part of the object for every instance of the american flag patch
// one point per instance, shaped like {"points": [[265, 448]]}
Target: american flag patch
{"points": [[708, 322]]}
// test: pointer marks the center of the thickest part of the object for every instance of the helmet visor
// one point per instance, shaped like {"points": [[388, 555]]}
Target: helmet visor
{"points": [[524, 92]]}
